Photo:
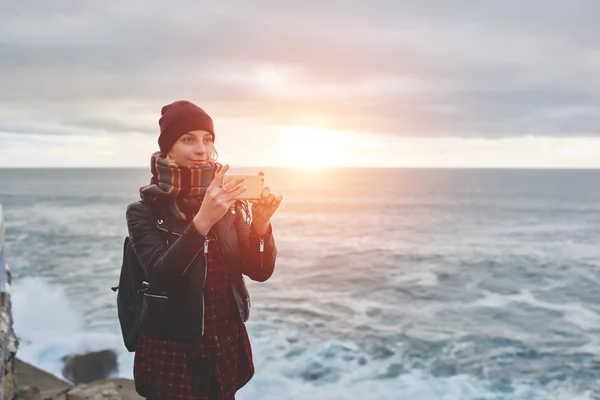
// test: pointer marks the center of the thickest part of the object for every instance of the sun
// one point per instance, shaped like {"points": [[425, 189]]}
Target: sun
{"points": [[307, 147]]}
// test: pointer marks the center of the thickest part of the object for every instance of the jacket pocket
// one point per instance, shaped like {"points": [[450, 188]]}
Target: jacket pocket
{"points": [[155, 311]]}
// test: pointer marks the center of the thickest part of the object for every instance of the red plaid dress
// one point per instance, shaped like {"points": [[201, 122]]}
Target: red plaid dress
{"points": [[214, 366]]}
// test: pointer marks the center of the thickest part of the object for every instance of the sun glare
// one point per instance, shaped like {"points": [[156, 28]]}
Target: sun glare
{"points": [[312, 148]]}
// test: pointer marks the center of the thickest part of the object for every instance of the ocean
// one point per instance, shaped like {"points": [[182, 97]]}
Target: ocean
{"points": [[423, 284]]}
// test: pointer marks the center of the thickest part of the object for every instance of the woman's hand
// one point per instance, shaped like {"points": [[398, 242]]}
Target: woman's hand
{"points": [[217, 200], [263, 209]]}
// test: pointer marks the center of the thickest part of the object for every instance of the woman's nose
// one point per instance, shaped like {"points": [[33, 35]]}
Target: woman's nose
{"points": [[200, 148]]}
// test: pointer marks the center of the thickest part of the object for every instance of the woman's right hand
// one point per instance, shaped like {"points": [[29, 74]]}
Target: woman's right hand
{"points": [[217, 200]]}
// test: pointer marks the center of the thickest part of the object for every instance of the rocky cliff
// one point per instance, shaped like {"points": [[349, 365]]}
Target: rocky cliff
{"points": [[8, 340], [19, 380]]}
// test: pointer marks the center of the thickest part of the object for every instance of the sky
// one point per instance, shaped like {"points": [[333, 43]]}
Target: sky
{"points": [[379, 83]]}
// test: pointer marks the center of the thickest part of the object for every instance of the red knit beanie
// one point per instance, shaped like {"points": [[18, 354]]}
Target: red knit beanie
{"points": [[179, 118]]}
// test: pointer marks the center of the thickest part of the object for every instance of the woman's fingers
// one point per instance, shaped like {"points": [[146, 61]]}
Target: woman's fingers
{"points": [[270, 200], [276, 200], [235, 192], [220, 172], [233, 184], [264, 195], [217, 181]]}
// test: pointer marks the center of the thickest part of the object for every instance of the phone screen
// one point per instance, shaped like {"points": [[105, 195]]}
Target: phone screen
{"points": [[254, 186]]}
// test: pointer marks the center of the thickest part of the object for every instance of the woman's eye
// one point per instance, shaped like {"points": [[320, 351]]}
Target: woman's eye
{"points": [[207, 140], [187, 140]]}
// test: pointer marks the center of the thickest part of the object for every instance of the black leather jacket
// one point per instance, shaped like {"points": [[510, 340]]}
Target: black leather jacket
{"points": [[172, 255]]}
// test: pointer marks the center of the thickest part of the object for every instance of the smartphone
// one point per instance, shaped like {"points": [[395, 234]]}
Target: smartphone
{"points": [[254, 186]]}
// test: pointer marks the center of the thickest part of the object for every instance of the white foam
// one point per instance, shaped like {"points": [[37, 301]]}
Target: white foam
{"points": [[49, 328], [278, 376], [413, 385], [573, 313], [417, 278]]}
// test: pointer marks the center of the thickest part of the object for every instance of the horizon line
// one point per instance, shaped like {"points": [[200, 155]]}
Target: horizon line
{"points": [[329, 167]]}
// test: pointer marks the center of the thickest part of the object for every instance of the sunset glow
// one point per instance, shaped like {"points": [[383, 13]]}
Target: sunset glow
{"points": [[308, 84], [307, 147]]}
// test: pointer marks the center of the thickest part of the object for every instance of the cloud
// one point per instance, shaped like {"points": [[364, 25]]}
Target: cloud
{"points": [[427, 68]]}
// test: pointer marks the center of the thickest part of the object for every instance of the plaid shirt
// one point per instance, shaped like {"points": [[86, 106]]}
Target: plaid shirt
{"points": [[214, 366]]}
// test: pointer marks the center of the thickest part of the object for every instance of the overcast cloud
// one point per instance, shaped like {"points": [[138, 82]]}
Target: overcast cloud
{"points": [[421, 68]]}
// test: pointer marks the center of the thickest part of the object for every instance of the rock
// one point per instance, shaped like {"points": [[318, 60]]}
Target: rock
{"points": [[104, 391], [28, 393], [49, 385], [90, 367]]}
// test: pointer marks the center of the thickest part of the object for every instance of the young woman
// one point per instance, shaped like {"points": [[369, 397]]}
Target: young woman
{"points": [[195, 243]]}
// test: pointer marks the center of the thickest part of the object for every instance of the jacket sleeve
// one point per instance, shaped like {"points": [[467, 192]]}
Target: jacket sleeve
{"points": [[258, 252], [161, 264]]}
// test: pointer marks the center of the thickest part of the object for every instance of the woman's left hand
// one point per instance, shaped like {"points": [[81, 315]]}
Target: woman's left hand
{"points": [[263, 209]]}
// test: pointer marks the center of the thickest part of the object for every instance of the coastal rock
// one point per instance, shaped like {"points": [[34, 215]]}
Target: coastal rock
{"points": [[28, 393], [104, 391], [8, 340], [85, 368], [30, 379], [53, 388]]}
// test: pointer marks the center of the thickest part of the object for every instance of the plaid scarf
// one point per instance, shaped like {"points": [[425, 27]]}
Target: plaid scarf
{"points": [[182, 188]]}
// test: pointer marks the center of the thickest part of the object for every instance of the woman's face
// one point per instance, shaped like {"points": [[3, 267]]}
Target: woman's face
{"points": [[192, 148]]}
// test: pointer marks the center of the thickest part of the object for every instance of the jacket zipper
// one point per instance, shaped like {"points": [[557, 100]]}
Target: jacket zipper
{"points": [[164, 230], [179, 234], [188, 266], [262, 251], [206, 241], [156, 296], [204, 283]]}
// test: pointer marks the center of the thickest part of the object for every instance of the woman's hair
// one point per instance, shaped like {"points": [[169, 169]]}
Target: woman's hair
{"points": [[212, 157]]}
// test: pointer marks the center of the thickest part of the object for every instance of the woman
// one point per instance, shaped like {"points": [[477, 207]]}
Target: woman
{"points": [[195, 243]]}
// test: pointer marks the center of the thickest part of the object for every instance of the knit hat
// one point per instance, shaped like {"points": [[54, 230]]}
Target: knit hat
{"points": [[179, 118]]}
